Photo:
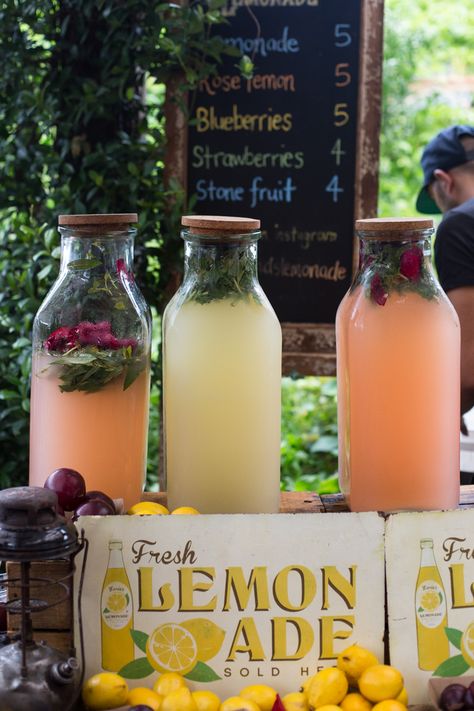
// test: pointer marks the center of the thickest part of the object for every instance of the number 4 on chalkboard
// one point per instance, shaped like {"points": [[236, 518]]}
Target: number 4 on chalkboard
{"points": [[337, 151], [333, 187]]}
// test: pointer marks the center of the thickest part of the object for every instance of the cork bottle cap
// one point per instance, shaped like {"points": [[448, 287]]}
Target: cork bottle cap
{"points": [[215, 224], [106, 220], [393, 224]]}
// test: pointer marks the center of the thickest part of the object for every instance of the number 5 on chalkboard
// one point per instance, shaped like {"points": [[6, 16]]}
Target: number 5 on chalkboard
{"points": [[333, 187], [343, 76], [341, 114], [343, 38]]}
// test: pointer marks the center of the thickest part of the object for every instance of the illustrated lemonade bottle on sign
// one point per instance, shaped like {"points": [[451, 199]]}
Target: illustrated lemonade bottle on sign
{"points": [[431, 611], [116, 612]]}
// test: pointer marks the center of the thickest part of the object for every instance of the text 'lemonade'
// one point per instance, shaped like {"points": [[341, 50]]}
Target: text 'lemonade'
{"points": [[91, 362], [222, 378], [398, 352]]}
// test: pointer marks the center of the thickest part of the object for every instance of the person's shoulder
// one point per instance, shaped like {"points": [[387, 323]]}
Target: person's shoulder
{"points": [[463, 211]]}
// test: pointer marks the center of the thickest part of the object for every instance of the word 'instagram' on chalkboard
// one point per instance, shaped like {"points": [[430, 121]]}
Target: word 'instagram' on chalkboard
{"points": [[281, 145]]}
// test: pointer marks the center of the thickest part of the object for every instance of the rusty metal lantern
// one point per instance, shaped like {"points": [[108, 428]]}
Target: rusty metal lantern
{"points": [[33, 675]]}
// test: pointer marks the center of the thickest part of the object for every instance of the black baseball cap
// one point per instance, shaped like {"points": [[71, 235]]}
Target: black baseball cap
{"points": [[444, 151]]}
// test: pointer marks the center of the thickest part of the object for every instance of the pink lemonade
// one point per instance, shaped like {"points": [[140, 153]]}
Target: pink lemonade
{"points": [[398, 401], [103, 435]]}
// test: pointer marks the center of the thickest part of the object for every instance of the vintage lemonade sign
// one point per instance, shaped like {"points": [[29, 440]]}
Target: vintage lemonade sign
{"points": [[231, 600], [430, 589]]}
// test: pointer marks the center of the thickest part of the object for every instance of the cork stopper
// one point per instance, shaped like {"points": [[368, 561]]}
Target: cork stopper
{"points": [[220, 225], [393, 228], [112, 219]]}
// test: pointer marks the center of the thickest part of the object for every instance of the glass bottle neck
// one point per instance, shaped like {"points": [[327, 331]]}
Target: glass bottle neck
{"points": [[113, 253], [219, 269], [115, 558], [427, 558]]}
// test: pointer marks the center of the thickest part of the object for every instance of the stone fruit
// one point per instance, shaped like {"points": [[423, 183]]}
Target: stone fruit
{"points": [[94, 507], [97, 495], [452, 697], [104, 691], [264, 696], [380, 682], [354, 660], [68, 485], [328, 686]]}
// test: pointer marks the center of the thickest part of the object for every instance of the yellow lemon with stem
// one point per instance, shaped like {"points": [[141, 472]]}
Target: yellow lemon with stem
{"points": [[147, 697], [328, 687], [295, 701], [380, 682], [330, 707], [168, 682], [105, 690], [179, 700], [208, 636], [206, 700], [467, 644], [186, 511], [237, 703], [354, 660], [171, 648], [355, 702], [147, 508], [264, 696]]}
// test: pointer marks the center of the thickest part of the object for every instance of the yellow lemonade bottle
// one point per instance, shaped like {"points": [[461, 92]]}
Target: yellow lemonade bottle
{"points": [[431, 611], [116, 612]]}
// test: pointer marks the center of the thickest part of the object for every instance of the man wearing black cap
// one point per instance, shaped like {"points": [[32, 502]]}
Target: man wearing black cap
{"points": [[448, 169]]}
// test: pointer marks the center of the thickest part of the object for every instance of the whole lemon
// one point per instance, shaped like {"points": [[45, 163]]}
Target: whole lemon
{"points": [[104, 691], [264, 696], [181, 699], [237, 703], [147, 697], [296, 701], [185, 511], [147, 508], [168, 682], [467, 644], [306, 684], [390, 705], [330, 707], [328, 686], [208, 636], [206, 700], [354, 660], [380, 682], [403, 697], [355, 702]]}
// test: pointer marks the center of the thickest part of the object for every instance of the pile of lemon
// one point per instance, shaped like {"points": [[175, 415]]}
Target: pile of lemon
{"points": [[357, 683]]}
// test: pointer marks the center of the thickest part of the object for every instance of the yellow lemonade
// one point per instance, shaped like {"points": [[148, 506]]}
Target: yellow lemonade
{"points": [[398, 401], [116, 613], [222, 385], [431, 611], [103, 435]]}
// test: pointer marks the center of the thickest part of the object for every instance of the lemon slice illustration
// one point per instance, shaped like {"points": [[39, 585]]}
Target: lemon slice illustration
{"points": [[172, 648], [116, 602], [430, 600], [467, 644]]}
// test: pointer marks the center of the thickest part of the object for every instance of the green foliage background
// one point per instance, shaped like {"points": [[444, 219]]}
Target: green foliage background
{"points": [[81, 130]]}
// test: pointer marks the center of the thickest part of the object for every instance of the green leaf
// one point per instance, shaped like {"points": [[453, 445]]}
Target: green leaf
{"points": [[138, 669], [202, 672], [140, 639], [81, 265], [454, 636], [453, 666]]}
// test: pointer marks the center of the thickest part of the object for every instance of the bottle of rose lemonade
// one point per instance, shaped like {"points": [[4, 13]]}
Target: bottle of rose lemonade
{"points": [[398, 370], [222, 375], [91, 362]]}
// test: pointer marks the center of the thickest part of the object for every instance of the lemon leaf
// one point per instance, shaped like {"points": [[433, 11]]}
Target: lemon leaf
{"points": [[454, 636], [453, 666], [202, 672], [137, 669], [140, 639]]}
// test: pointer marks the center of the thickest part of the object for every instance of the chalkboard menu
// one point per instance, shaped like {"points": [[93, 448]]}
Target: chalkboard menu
{"points": [[281, 145]]}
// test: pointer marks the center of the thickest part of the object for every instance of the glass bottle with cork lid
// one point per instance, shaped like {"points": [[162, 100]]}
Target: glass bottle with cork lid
{"points": [[91, 361], [398, 371], [222, 374]]}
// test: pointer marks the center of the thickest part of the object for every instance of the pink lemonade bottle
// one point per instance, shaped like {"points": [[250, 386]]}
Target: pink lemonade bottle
{"points": [[398, 371], [91, 362]]}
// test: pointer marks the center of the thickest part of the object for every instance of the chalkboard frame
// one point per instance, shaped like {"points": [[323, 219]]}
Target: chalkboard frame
{"points": [[310, 348]]}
